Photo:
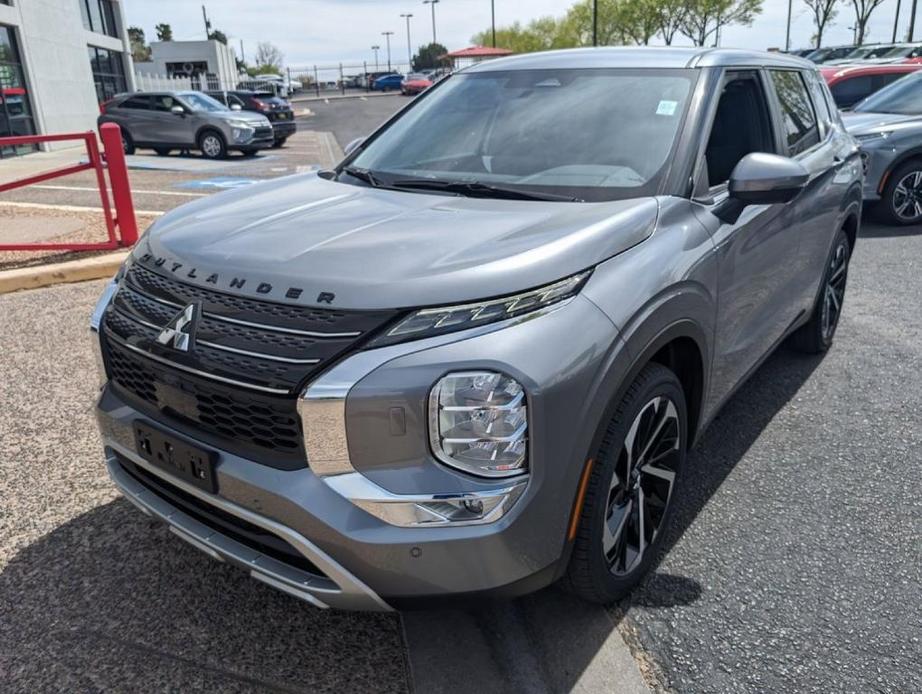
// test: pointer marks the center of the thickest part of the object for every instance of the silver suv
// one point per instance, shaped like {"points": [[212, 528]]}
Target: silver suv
{"points": [[164, 121], [471, 360]]}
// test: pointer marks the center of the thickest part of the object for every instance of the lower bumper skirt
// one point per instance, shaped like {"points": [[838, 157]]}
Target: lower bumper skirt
{"points": [[336, 588]]}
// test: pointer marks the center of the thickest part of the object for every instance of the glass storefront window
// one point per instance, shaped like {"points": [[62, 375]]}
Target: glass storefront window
{"points": [[99, 16], [108, 73], [15, 109]]}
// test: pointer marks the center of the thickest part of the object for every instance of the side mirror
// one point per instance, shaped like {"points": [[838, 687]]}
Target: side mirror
{"points": [[178, 110], [235, 107], [353, 145], [761, 179]]}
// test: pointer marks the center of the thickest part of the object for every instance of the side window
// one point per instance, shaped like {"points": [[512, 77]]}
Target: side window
{"points": [[164, 102], [231, 100], [741, 125], [138, 103], [881, 81], [851, 90], [797, 116], [220, 96]]}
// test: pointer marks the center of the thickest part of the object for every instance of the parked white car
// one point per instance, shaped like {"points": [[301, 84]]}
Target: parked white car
{"points": [[282, 83]]}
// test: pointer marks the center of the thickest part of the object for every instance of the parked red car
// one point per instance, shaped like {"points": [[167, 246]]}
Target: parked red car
{"points": [[414, 83], [850, 84]]}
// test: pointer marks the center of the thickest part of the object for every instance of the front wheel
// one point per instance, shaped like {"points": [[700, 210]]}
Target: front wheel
{"points": [[631, 491], [279, 143], [127, 143], [162, 151], [816, 335], [901, 202], [212, 145]]}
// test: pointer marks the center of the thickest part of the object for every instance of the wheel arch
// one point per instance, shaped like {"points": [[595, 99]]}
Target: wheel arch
{"points": [[907, 156], [212, 129]]}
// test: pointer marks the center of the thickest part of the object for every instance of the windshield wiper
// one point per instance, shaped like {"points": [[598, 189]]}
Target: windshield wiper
{"points": [[363, 175], [478, 189]]}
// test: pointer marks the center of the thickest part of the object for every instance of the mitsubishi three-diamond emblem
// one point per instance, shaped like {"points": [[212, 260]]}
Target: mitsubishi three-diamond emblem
{"points": [[180, 331]]}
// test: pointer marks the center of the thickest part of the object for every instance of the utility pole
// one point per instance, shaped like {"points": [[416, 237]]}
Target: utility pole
{"points": [[595, 22], [896, 20], [376, 49], [432, 4], [912, 21], [387, 36], [207, 24], [493, 20], [409, 45], [787, 35], [243, 57]]}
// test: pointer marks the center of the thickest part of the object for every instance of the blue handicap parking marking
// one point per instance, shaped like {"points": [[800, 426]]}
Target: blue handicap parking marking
{"points": [[218, 182]]}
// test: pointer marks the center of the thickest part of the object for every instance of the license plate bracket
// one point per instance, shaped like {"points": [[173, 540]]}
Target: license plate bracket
{"points": [[188, 462]]}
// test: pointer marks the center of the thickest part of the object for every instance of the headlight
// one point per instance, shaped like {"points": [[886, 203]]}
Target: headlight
{"points": [[435, 321], [243, 124], [872, 137], [478, 422]]}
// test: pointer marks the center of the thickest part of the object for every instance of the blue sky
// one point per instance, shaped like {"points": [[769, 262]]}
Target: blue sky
{"points": [[329, 31]]}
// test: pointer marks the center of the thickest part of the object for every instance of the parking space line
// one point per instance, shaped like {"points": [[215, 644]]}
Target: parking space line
{"points": [[70, 208], [133, 190]]}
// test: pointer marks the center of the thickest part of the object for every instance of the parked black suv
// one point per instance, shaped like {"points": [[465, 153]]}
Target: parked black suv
{"points": [[275, 108]]}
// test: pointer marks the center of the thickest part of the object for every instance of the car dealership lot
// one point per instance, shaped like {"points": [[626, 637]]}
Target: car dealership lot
{"points": [[795, 564]]}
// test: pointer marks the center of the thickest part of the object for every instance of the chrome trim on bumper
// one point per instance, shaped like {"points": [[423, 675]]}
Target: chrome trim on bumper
{"points": [[337, 588]]}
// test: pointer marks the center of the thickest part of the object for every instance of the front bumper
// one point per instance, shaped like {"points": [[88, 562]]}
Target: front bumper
{"points": [[367, 562], [283, 128]]}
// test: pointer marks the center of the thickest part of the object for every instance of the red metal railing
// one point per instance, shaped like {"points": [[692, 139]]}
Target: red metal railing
{"points": [[121, 225]]}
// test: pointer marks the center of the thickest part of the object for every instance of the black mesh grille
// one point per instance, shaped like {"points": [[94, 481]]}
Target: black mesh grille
{"points": [[237, 382], [246, 420]]}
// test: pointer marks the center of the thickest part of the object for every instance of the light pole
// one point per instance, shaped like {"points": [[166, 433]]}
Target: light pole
{"points": [[409, 47], [432, 3], [376, 49], [595, 22], [896, 20], [912, 21], [787, 35], [493, 20], [387, 35]]}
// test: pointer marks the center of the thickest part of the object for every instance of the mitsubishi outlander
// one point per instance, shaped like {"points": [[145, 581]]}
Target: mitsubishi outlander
{"points": [[471, 359]]}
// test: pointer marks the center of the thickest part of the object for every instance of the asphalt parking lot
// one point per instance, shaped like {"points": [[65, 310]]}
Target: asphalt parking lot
{"points": [[796, 564]]}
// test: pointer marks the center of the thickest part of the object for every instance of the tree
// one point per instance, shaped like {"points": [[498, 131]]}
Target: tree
{"points": [[641, 19], [218, 35], [540, 34], [704, 18], [429, 57], [164, 32], [268, 58], [611, 29], [863, 10], [140, 51], [823, 12], [671, 16]]}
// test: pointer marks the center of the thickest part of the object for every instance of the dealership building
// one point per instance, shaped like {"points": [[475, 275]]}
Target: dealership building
{"points": [[58, 60]]}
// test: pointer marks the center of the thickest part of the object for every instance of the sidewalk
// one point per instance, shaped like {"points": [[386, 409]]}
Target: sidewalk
{"points": [[15, 168], [334, 96]]}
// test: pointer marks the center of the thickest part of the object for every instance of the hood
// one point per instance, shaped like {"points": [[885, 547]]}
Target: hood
{"points": [[296, 238], [249, 116], [858, 123]]}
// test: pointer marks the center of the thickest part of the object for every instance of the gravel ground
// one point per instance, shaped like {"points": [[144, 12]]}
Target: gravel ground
{"points": [[798, 564], [95, 598]]}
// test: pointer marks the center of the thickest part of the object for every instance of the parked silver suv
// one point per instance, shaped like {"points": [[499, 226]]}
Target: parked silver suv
{"points": [[471, 359], [164, 121]]}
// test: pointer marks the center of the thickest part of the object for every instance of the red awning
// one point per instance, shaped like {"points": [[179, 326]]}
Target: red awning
{"points": [[479, 52]]}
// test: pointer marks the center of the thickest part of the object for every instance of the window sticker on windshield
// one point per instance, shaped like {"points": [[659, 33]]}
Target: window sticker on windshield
{"points": [[666, 108]]}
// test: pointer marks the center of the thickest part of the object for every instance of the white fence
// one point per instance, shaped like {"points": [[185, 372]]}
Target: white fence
{"points": [[160, 83]]}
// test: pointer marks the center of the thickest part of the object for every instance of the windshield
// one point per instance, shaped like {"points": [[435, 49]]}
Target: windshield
{"points": [[202, 102], [903, 96], [600, 134], [898, 52]]}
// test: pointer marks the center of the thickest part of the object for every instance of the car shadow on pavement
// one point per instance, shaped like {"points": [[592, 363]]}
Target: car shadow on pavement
{"points": [[109, 601], [552, 641]]}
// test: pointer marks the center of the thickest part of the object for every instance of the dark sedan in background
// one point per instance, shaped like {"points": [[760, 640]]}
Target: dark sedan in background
{"points": [[273, 107]]}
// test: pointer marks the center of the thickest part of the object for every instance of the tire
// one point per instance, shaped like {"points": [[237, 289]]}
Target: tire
{"points": [[279, 143], [248, 152], [815, 336], [162, 151], [212, 145], [127, 142], [901, 201], [608, 559]]}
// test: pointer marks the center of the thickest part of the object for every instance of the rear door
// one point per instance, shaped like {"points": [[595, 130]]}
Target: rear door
{"points": [[810, 137], [135, 116]]}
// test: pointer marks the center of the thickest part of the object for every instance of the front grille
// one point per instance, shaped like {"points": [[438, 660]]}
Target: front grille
{"points": [[248, 361]]}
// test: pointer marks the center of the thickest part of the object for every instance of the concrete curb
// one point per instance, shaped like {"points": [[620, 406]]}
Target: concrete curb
{"points": [[337, 97], [92, 268], [544, 643]]}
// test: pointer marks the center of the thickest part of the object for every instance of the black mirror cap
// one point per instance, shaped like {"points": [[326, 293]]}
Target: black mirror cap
{"points": [[763, 179]]}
